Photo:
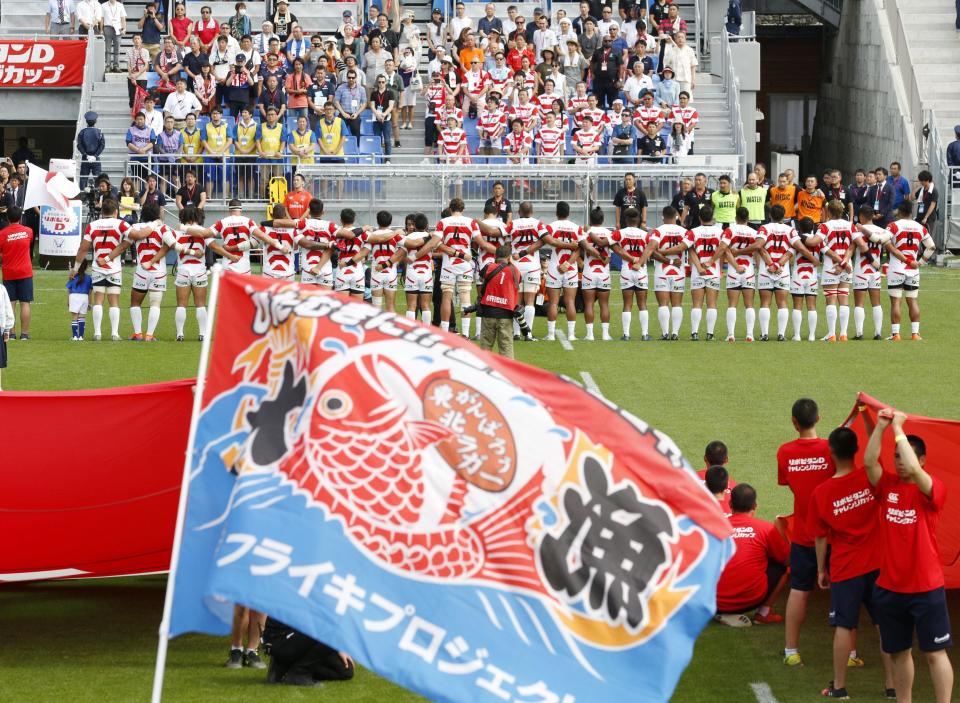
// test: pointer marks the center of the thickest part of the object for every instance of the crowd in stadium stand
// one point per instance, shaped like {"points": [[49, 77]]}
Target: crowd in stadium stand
{"points": [[522, 89]]}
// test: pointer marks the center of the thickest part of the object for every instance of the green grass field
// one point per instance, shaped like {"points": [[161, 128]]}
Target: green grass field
{"points": [[96, 640]]}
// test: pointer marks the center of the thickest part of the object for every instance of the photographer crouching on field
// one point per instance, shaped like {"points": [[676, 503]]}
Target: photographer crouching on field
{"points": [[497, 305], [299, 660]]}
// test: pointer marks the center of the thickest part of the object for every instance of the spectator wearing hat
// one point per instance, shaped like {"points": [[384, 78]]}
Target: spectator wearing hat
{"points": [[283, 21], [90, 144], [262, 41], [409, 35], [436, 34], [574, 66], [565, 34], [668, 90], [545, 67]]}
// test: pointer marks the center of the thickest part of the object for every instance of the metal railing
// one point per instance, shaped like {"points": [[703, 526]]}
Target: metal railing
{"points": [[732, 88], [908, 75]]}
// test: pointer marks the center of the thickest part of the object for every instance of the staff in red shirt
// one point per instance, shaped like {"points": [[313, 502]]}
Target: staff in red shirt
{"points": [[802, 465], [15, 240], [499, 297], [757, 573], [910, 594], [717, 454], [717, 480], [843, 515]]}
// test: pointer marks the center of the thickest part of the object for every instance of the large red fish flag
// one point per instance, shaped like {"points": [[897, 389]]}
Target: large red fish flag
{"points": [[942, 439], [470, 527]]}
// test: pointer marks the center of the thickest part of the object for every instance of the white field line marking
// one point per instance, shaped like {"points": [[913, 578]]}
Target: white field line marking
{"points": [[763, 693], [564, 342], [590, 383]]}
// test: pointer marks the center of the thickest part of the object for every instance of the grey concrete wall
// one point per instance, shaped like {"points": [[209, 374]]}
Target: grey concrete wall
{"points": [[859, 122], [26, 105]]}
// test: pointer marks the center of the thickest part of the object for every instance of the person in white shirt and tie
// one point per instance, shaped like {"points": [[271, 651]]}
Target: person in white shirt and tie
{"points": [[60, 18], [114, 27]]}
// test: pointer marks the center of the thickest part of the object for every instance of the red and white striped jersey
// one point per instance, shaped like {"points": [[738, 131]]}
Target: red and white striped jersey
{"points": [[443, 112], [804, 269], [648, 115], [147, 248], [588, 139], [688, 115], [705, 242], [104, 236], [524, 232], [598, 116], [737, 238], [496, 240], [552, 141], [491, 120], [576, 103], [475, 81], [667, 236], [602, 247], [317, 231], [194, 256], [235, 230], [776, 240], [382, 252], [275, 262], [349, 248], [413, 243], [518, 144], [526, 114], [838, 236], [544, 103], [908, 237], [457, 232], [567, 232], [530, 81], [632, 240], [868, 262], [436, 97], [452, 141]]}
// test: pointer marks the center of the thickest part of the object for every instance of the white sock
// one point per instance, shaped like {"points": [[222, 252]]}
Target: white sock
{"points": [[844, 319], [97, 319], [877, 319], [411, 314], [377, 301], [445, 325], [676, 319], [136, 318], [465, 325], [797, 322], [551, 328], [751, 319], [114, 314], [663, 317], [644, 316], [695, 315], [604, 329], [711, 320], [153, 318], [179, 318], [915, 327], [831, 320], [782, 316], [529, 312], [571, 328], [894, 328], [426, 317], [812, 323], [764, 322], [202, 320], [589, 335], [859, 314], [516, 328], [625, 319], [731, 321]]}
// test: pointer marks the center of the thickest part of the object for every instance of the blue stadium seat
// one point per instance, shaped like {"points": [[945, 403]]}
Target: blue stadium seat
{"points": [[370, 145], [350, 146], [366, 128]]}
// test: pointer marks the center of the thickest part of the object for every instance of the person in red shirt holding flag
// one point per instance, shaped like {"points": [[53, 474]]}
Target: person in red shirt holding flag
{"points": [[843, 515], [757, 572], [802, 465], [909, 593]]}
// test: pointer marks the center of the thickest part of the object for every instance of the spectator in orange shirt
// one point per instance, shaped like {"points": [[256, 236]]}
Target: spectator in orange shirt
{"points": [[469, 52]]}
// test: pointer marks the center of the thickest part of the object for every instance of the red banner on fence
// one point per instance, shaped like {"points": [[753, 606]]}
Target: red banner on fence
{"points": [[42, 64], [91, 480]]}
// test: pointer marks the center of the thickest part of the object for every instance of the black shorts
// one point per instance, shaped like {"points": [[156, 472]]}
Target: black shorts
{"points": [[846, 597], [803, 568], [899, 614], [102, 283], [20, 290], [430, 132]]}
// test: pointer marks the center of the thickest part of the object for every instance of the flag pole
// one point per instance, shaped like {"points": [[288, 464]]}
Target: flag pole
{"points": [[164, 638]]}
